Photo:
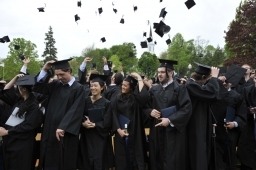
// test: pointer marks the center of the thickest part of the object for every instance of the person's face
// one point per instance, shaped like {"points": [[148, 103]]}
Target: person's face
{"points": [[247, 68], [64, 77], [126, 87], [161, 73], [95, 88], [22, 91]]}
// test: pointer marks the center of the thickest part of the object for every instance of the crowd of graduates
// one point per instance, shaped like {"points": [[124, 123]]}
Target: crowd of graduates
{"points": [[97, 121]]}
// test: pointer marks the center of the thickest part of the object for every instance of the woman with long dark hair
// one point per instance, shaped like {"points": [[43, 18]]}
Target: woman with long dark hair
{"points": [[94, 145], [19, 131], [127, 115]]}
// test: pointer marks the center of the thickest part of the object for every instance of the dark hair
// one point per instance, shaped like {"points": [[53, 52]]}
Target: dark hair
{"points": [[119, 78], [66, 69], [24, 105], [197, 76]]}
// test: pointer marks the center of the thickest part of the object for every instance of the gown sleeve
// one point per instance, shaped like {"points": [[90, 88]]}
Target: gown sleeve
{"points": [[241, 115], [9, 96], [43, 87]]}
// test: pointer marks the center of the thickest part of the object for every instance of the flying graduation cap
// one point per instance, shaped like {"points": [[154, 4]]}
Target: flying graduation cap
{"points": [[77, 18], [162, 28], [115, 10], [168, 41], [144, 34], [103, 39], [5, 39], [149, 39], [100, 10], [135, 8], [122, 20], [190, 3], [16, 47], [79, 4], [162, 13], [144, 44], [42, 8]]}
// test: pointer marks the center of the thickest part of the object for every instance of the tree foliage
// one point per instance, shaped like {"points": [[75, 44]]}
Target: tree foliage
{"points": [[50, 52], [13, 64], [148, 64], [241, 36]]}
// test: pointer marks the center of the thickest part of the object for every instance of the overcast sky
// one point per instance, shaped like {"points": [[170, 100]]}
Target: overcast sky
{"points": [[207, 19]]}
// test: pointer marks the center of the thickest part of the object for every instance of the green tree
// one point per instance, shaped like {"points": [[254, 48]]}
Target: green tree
{"points": [[241, 35], [50, 52], [116, 62], [13, 64], [148, 64]]}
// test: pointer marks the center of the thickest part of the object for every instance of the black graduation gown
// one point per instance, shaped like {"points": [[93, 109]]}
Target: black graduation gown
{"points": [[168, 148], [64, 111], [242, 84], [111, 92], [134, 151], [228, 141], [94, 143], [247, 144], [199, 127], [18, 145]]}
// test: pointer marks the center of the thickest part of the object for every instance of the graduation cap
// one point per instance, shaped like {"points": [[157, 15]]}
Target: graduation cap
{"points": [[4, 39], [144, 34], [201, 55], [230, 114], [190, 3], [77, 18], [134, 46], [103, 39], [149, 39], [133, 82], [26, 80], [203, 69], [167, 63], [115, 10], [162, 29], [168, 41], [144, 44], [62, 64], [155, 42], [162, 13], [122, 21], [79, 4], [98, 78], [161, 0], [16, 47], [41, 9], [222, 71], [155, 25], [100, 10], [234, 74], [22, 56], [135, 8]]}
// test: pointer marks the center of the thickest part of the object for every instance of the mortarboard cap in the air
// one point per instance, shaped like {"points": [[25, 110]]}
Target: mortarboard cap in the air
{"points": [[135, 8], [79, 3], [103, 39], [167, 63], [22, 57], [100, 10], [203, 69], [41, 9], [62, 64], [155, 42], [144, 44], [161, 0], [26, 80], [162, 13], [234, 74], [115, 10], [98, 78], [149, 39], [77, 17], [122, 21], [144, 34], [168, 41], [134, 46], [155, 25], [162, 29], [16, 47], [190, 3], [4, 39], [133, 82]]}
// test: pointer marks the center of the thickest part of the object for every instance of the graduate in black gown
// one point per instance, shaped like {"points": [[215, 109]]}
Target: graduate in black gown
{"points": [[59, 141], [246, 80], [167, 141], [129, 147], [227, 133], [203, 88], [115, 87], [95, 136], [19, 137], [247, 147]]}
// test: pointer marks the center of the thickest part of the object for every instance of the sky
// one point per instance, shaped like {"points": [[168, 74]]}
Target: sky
{"points": [[20, 19]]}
